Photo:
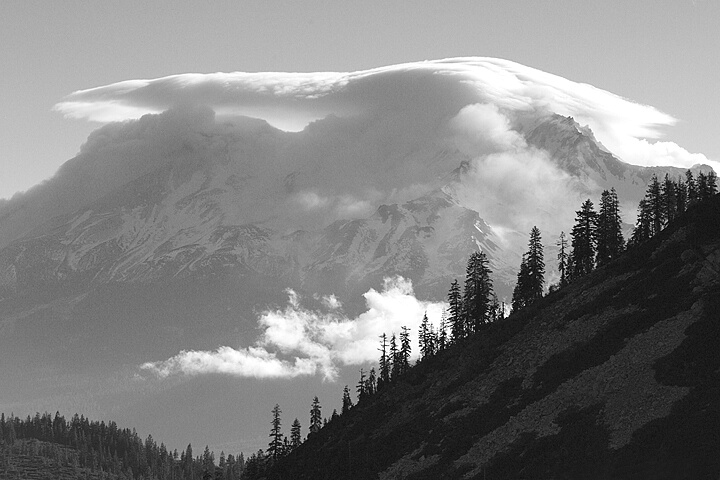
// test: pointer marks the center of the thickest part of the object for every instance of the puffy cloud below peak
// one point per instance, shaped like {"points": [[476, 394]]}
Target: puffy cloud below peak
{"points": [[297, 341]]}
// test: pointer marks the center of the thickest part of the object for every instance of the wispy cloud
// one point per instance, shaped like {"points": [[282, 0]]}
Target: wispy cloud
{"points": [[299, 341], [431, 90]]}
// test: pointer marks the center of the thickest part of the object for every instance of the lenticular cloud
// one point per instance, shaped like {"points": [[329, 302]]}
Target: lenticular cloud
{"points": [[297, 341], [431, 91]]}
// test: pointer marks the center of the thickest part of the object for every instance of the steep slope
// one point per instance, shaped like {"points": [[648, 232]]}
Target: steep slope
{"points": [[614, 376]]}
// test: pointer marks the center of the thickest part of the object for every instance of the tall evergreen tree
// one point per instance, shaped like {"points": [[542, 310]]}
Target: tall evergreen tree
{"points": [[644, 224], [405, 349], [276, 437], [563, 258], [371, 383], [347, 403], [361, 386], [669, 203], [457, 323], [395, 357], [424, 337], [535, 266], [442, 332], [610, 241], [385, 363], [691, 187], [584, 240], [519, 298], [656, 204], [477, 295], [315, 416], [295, 434]]}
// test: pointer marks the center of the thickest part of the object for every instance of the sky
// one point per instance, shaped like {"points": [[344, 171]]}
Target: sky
{"points": [[662, 54], [659, 54]]}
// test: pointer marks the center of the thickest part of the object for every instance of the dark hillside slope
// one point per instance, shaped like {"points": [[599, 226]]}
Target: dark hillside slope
{"points": [[616, 376]]}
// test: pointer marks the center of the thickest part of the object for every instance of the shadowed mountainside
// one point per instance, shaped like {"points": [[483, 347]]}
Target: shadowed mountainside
{"points": [[614, 376]]}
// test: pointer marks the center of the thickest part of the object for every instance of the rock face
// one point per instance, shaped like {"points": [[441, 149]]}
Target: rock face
{"points": [[613, 376]]}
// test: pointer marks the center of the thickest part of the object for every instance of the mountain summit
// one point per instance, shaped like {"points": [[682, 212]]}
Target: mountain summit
{"points": [[174, 232]]}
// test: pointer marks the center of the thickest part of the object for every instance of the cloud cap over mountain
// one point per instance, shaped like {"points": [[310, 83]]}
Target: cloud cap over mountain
{"points": [[430, 90]]}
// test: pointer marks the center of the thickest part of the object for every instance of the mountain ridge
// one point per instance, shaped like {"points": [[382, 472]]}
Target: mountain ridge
{"points": [[613, 376]]}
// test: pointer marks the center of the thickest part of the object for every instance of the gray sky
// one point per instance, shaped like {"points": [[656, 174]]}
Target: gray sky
{"points": [[660, 53]]}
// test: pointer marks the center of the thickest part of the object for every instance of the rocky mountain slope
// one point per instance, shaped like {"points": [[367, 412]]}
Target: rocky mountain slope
{"points": [[614, 376]]}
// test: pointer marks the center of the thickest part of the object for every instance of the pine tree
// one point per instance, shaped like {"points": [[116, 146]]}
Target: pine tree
{"points": [[405, 349], [656, 205], [295, 434], [644, 224], [691, 187], [478, 292], [442, 332], [361, 386], [315, 416], [535, 266], [371, 383], [584, 234], [519, 298], [610, 241], [346, 401], [669, 202], [395, 357], [457, 325], [563, 258], [384, 362], [423, 337], [276, 437]]}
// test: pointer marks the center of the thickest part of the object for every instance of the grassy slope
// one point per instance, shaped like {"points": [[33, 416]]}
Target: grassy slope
{"points": [[615, 376]]}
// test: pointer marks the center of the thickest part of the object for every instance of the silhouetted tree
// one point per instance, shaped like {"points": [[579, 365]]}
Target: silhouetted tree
{"points": [[385, 363], [315, 416], [563, 258], [584, 240], [276, 444], [295, 434], [455, 309], [346, 401], [477, 295], [610, 241]]}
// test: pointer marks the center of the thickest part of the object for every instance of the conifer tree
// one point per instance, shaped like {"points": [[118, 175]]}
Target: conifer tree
{"points": [[276, 437], [346, 401], [669, 202], [563, 258], [584, 240], [656, 204], [519, 298], [405, 350], [384, 362], [643, 225], [361, 386], [477, 295], [531, 276], [423, 337], [315, 416], [371, 383], [295, 434], [610, 241], [395, 357], [457, 324], [442, 332], [535, 266], [691, 187]]}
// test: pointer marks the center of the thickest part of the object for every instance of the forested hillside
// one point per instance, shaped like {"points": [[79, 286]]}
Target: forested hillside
{"points": [[613, 375]]}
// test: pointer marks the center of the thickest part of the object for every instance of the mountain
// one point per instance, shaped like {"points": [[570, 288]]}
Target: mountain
{"points": [[173, 232], [614, 376]]}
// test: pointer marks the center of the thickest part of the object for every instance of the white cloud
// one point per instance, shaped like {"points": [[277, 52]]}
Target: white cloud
{"points": [[316, 341], [427, 91]]}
